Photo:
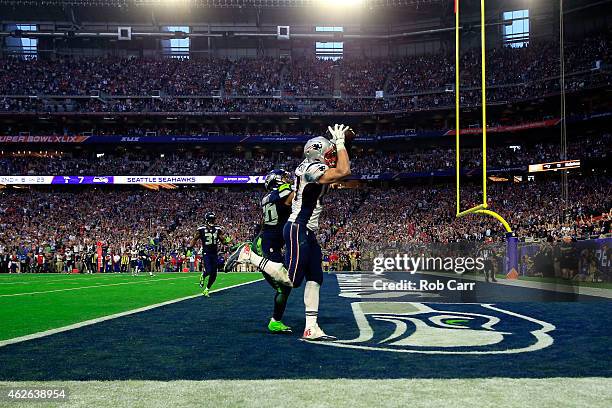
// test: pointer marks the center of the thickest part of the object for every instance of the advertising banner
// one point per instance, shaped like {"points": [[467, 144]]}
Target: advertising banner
{"points": [[45, 180]]}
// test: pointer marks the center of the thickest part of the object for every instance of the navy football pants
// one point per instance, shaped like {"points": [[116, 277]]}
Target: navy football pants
{"points": [[303, 255]]}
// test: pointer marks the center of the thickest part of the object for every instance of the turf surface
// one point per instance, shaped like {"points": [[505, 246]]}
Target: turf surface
{"points": [[216, 351], [31, 303], [414, 393], [559, 281], [605, 285], [225, 338]]}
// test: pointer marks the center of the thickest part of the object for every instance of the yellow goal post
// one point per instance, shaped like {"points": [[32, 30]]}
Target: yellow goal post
{"points": [[512, 251]]}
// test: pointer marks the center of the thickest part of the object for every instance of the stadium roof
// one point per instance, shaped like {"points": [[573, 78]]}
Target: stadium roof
{"points": [[211, 3]]}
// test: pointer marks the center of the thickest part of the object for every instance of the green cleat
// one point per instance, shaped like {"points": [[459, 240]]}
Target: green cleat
{"points": [[278, 327], [206, 292]]}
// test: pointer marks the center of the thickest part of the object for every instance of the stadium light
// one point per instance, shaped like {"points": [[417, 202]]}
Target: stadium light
{"points": [[341, 3], [177, 4]]}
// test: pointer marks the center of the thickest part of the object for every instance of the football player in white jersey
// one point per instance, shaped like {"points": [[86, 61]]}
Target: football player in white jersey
{"points": [[326, 162]]}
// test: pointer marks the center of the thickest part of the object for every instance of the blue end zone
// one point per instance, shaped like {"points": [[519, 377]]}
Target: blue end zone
{"points": [[225, 337]]}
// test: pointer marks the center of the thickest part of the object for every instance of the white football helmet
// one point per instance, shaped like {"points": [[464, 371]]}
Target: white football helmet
{"points": [[322, 150]]}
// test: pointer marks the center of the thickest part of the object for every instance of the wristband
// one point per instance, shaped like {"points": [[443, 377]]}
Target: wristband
{"points": [[340, 145]]}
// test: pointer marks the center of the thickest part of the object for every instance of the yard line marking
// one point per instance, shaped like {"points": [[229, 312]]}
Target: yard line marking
{"points": [[35, 282], [95, 286], [113, 316]]}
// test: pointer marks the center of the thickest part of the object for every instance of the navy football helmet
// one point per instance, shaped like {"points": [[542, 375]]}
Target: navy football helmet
{"points": [[209, 217], [276, 178]]}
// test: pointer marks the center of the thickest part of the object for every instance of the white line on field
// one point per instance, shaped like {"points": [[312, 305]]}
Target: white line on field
{"points": [[94, 286], [111, 317], [37, 282]]}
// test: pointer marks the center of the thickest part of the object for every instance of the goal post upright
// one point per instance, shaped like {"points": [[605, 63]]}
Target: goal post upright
{"points": [[511, 261]]}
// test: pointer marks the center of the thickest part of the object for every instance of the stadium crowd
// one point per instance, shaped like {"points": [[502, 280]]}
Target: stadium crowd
{"points": [[301, 130], [428, 100], [59, 228], [41, 230], [533, 209], [48, 223], [365, 161], [296, 85]]}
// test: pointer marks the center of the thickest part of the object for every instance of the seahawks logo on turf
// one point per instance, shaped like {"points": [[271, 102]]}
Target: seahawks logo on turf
{"points": [[409, 327]]}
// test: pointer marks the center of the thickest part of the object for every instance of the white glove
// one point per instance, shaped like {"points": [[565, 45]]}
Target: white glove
{"points": [[337, 133]]}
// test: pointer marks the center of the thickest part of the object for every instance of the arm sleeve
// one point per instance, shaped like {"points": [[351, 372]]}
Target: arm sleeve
{"points": [[221, 234], [277, 195], [271, 197]]}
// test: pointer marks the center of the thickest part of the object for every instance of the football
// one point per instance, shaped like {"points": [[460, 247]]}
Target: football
{"points": [[349, 135]]}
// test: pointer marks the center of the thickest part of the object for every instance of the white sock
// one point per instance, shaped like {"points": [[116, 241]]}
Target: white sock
{"points": [[311, 302], [273, 269]]}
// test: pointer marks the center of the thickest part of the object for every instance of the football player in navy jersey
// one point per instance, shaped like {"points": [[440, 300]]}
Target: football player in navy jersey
{"points": [[267, 247], [266, 250], [211, 235], [269, 244]]}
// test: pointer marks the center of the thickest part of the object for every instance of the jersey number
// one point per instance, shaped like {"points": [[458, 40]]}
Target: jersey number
{"points": [[210, 238], [270, 214]]}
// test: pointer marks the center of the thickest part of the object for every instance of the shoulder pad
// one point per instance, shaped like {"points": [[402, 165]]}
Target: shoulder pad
{"points": [[301, 168], [284, 187], [314, 171]]}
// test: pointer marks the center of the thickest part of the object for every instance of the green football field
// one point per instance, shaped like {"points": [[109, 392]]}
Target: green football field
{"points": [[195, 352], [32, 303]]}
